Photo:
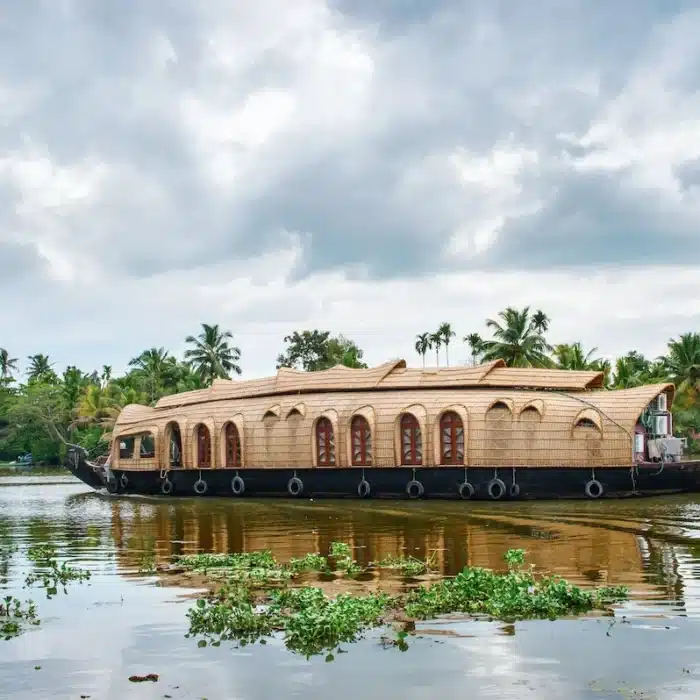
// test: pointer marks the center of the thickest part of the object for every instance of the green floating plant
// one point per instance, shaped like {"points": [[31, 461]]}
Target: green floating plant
{"points": [[48, 573], [246, 609], [14, 614]]}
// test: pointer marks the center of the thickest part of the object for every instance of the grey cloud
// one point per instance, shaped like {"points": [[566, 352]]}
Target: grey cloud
{"points": [[449, 74], [18, 261], [689, 174], [590, 222]]}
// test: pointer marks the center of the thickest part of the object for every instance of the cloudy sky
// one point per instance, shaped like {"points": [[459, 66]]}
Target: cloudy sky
{"points": [[371, 167]]}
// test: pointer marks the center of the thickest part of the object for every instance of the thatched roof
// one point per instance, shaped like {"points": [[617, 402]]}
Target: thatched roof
{"points": [[390, 375]]}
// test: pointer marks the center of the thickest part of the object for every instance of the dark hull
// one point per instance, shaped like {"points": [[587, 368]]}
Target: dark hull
{"points": [[392, 482]]}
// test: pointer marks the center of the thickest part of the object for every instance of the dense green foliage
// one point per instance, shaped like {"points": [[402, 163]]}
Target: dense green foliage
{"points": [[49, 409], [519, 337], [261, 596], [317, 350]]}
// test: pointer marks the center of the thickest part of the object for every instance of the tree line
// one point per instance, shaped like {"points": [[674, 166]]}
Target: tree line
{"points": [[519, 337], [46, 410]]}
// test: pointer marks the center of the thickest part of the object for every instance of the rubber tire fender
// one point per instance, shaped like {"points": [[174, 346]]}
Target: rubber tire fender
{"points": [[296, 481], [414, 483], [466, 491], [594, 484], [237, 486], [496, 483]]}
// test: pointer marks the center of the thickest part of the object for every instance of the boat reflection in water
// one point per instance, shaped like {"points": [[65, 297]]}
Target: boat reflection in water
{"points": [[587, 543]]}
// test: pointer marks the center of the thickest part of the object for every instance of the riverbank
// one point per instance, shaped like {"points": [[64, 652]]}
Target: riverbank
{"points": [[10, 470]]}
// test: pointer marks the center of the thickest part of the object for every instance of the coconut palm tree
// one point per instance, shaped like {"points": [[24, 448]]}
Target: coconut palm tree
{"points": [[436, 342], [106, 376], [540, 322], [682, 363], [212, 356], [422, 345], [517, 340], [573, 357], [40, 369], [475, 342], [446, 333], [8, 365], [628, 374], [152, 366], [101, 408]]}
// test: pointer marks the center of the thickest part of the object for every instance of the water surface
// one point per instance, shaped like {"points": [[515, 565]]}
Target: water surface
{"points": [[122, 622]]}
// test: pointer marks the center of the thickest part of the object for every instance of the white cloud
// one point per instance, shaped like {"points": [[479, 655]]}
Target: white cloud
{"points": [[494, 185], [321, 94], [48, 195], [272, 166], [260, 303], [653, 125]]}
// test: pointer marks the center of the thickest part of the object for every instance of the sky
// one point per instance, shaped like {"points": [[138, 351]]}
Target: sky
{"points": [[367, 167]]}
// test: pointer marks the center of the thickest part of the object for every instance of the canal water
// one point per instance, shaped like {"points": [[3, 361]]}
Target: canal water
{"points": [[122, 622]]}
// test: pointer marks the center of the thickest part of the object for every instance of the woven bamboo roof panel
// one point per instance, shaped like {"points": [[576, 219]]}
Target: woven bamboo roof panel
{"points": [[624, 406], [134, 412], [390, 375], [564, 380]]}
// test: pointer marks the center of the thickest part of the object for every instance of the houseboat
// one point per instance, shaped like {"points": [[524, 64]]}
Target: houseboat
{"points": [[469, 432]]}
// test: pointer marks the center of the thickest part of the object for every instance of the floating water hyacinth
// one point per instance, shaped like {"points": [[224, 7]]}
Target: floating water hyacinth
{"points": [[248, 608]]}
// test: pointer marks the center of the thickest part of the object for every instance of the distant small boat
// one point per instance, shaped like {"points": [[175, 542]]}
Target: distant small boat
{"points": [[484, 432]]}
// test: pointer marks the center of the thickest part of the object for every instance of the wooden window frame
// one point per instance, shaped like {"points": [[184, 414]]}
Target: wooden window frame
{"points": [[325, 457], [409, 422], [452, 421], [171, 430], [359, 425], [199, 437], [232, 435]]}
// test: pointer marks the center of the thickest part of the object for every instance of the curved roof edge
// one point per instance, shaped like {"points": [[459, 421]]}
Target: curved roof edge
{"points": [[627, 404], [623, 406], [394, 374]]}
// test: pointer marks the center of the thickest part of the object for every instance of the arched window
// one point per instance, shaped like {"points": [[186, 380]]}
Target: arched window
{"points": [[148, 446], [530, 419], [361, 437], [589, 440], [203, 446], [325, 443], [173, 440], [499, 433], [451, 439], [529, 415], [233, 446], [411, 443], [269, 419]]}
